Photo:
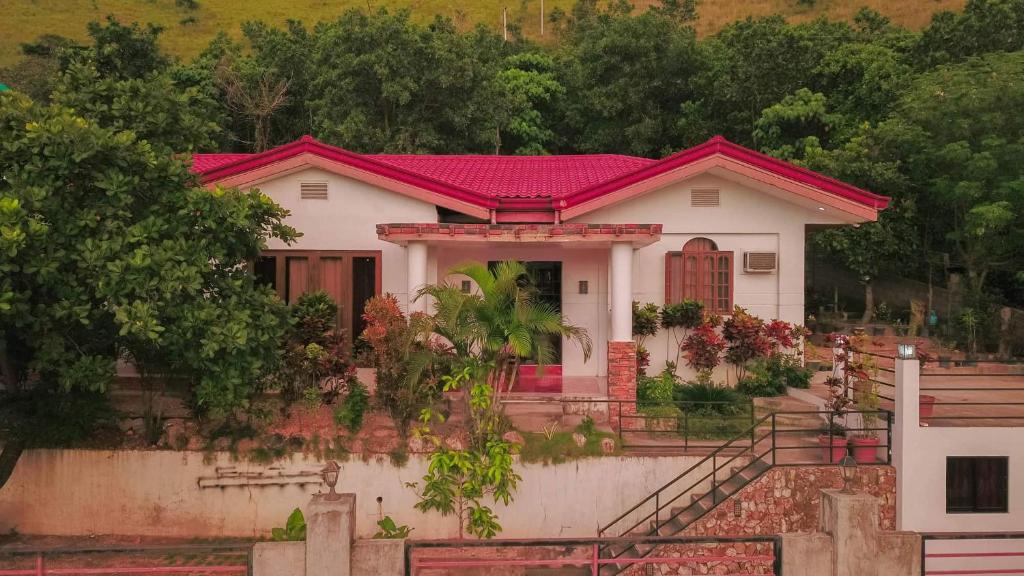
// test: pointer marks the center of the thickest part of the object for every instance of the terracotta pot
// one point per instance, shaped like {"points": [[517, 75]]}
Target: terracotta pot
{"points": [[864, 449], [926, 406], [838, 448]]}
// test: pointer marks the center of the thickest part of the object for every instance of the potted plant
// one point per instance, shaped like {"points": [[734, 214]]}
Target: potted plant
{"points": [[864, 444], [833, 442]]}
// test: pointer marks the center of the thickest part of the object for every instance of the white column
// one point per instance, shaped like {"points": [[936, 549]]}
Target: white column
{"points": [[416, 254], [906, 429], [622, 292]]}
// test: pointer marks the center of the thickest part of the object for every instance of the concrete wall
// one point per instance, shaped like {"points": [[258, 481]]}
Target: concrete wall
{"points": [[747, 220], [159, 493], [920, 452]]}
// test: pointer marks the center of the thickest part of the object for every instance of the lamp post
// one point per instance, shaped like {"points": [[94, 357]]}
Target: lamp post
{"points": [[847, 468], [330, 476], [906, 351]]}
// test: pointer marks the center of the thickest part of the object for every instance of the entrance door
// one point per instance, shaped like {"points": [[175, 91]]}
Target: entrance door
{"points": [[547, 278]]}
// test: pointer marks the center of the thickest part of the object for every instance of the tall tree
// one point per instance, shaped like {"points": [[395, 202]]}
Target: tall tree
{"points": [[959, 136], [385, 84], [110, 250], [629, 75]]}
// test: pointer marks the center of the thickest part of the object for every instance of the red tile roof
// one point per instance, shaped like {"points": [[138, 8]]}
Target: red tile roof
{"points": [[512, 182], [489, 176], [519, 176]]}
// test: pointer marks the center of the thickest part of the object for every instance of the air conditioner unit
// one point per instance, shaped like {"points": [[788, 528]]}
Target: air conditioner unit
{"points": [[760, 262]]}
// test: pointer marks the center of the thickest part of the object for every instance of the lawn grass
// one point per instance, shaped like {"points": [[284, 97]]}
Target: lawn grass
{"points": [[25, 20]]}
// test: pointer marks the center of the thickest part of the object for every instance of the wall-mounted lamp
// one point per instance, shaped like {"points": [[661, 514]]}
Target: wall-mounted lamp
{"points": [[906, 351], [466, 286], [584, 287]]}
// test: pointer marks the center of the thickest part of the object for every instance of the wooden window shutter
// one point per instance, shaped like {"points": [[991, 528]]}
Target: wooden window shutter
{"points": [[313, 190], [673, 277], [704, 197]]}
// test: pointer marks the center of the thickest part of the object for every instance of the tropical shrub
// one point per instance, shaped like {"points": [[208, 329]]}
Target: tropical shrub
{"points": [[746, 340], [705, 394], [646, 320], [501, 323], [681, 316], [314, 362], [407, 363], [293, 530], [459, 481], [388, 529], [656, 390], [703, 347], [760, 381], [352, 409]]}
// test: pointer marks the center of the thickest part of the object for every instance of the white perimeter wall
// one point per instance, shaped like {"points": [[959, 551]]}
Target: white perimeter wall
{"points": [[157, 493], [747, 220], [920, 452]]}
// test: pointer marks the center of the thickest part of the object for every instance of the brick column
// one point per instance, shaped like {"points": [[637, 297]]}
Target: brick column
{"points": [[622, 383]]}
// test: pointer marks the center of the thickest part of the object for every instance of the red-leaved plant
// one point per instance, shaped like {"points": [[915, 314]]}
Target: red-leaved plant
{"points": [[703, 347]]}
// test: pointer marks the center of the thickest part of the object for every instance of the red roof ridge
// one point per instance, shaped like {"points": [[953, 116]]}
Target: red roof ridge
{"points": [[485, 191], [719, 145]]}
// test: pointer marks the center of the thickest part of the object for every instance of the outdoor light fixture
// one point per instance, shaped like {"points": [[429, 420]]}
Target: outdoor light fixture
{"points": [[906, 351], [847, 467], [330, 475]]}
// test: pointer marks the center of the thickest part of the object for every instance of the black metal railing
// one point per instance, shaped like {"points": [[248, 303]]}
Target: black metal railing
{"points": [[739, 461]]}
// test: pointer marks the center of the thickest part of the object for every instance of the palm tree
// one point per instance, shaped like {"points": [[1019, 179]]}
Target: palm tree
{"points": [[503, 323]]}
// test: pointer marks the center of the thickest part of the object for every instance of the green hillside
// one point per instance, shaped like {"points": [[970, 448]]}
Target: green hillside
{"points": [[189, 30]]}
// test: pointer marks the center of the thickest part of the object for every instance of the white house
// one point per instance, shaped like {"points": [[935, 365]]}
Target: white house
{"points": [[718, 222]]}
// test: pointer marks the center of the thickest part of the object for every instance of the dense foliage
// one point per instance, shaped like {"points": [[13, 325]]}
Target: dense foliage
{"points": [[865, 101]]}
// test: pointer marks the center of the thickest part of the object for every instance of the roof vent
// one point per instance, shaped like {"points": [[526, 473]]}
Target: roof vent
{"points": [[760, 262], [313, 190], [704, 197]]}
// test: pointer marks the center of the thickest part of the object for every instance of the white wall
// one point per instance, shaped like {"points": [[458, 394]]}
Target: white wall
{"points": [[746, 220], [348, 219], [158, 493], [919, 455]]}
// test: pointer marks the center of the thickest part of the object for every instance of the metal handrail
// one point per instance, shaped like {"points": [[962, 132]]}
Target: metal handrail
{"points": [[668, 484], [748, 434]]}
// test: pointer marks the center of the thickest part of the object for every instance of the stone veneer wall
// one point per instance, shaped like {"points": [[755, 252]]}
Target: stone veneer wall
{"points": [[784, 499], [622, 382]]}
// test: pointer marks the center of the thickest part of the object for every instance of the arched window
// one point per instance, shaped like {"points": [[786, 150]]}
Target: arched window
{"points": [[700, 271]]}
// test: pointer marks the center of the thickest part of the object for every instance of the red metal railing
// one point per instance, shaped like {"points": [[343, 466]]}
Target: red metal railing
{"points": [[761, 556], [973, 563], [193, 560]]}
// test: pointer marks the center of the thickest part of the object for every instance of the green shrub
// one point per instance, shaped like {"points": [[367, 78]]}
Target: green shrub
{"points": [[656, 390], [705, 395], [587, 427], [688, 314], [388, 529], [294, 528], [350, 413], [761, 382], [769, 377], [790, 370]]}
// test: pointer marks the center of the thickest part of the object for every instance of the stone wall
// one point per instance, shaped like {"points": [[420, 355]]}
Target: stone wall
{"points": [[788, 499], [783, 500]]}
